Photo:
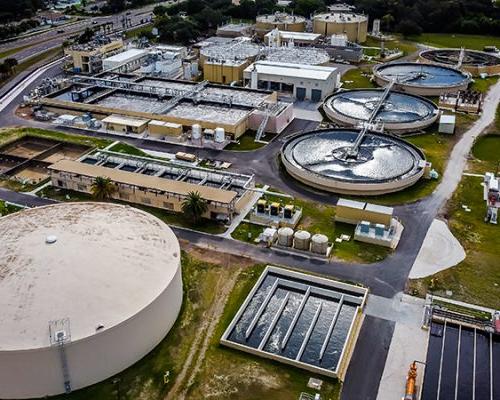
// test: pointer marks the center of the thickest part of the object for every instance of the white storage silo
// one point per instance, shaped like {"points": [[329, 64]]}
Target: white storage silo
{"points": [[285, 236], [302, 240], [196, 132], [220, 135], [319, 243]]}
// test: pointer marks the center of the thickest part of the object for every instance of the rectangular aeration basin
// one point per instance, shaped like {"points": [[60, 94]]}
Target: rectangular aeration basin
{"points": [[298, 319]]}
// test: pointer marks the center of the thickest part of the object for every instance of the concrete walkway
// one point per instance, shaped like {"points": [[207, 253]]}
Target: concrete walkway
{"points": [[409, 341], [243, 212], [440, 250]]}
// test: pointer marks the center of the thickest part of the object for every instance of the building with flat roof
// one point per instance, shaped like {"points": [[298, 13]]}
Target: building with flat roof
{"points": [[87, 58], [156, 183], [180, 102], [131, 59], [304, 82], [279, 38], [233, 30], [355, 26]]}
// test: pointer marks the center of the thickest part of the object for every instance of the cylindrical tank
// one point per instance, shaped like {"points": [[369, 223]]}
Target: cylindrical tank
{"points": [[196, 132], [285, 236], [319, 243], [220, 135], [281, 21], [355, 26], [302, 240]]}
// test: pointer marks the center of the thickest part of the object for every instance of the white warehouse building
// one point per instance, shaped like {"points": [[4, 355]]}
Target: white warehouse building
{"points": [[128, 60], [87, 289], [303, 82]]}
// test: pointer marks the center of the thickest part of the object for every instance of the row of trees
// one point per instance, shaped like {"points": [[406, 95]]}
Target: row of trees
{"points": [[416, 16], [19, 9], [193, 207], [11, 30]]}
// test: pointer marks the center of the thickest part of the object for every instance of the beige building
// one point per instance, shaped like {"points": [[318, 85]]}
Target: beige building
{"points": [[280, 21], [87, 58], [121, 123], [149, 190], [355, 26], [224, 71]]}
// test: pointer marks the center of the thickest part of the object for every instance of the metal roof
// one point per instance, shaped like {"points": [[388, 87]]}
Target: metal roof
{"points": [[145, 181], [313, 72]]}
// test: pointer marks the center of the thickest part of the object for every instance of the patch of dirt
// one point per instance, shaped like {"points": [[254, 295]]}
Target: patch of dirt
{"points": [[196, 355], [215, 257]]}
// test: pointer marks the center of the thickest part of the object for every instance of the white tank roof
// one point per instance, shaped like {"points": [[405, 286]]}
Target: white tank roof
{"points": [[302, 235], [108, 263], [320, 238]]}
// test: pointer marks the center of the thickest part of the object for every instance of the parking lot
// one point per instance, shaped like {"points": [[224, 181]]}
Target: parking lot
{"points": [[462, 363]]}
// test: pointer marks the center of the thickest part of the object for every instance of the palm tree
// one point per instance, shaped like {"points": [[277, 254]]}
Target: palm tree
{"points": [[194, 206], [102, 188]]}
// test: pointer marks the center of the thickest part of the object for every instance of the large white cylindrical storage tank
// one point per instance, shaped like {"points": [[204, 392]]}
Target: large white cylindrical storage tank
{"points": [[104, 278], [302, 240], [285, 236], [319, 243], [220, 135], [196, 132]]}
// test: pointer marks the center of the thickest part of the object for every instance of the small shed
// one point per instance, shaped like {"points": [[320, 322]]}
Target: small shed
{"points": [[447, 124]]}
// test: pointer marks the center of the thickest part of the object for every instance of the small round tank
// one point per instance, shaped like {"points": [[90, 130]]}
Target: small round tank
{"points": [[302, 240], [220, 135], [319, 243], [196, 132], [285, 236]]}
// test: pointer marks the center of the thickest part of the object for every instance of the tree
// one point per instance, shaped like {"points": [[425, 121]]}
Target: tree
{"points": [[103, 188], [308, 7], [409, 28], [11, 64], [194, 206], [86, 36]]}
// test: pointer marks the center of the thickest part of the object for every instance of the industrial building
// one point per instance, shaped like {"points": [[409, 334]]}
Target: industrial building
{"points": [[278, 38], [280, 21], [87, 290], [304, 82], [155, 183], [88, 58], [355, 26], [131, 58], [301, 320], [179, 102], [225, 62], [234, 30]]}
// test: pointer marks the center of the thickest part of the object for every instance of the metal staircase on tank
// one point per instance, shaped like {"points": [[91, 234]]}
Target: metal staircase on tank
{"points": [[59, 336]]}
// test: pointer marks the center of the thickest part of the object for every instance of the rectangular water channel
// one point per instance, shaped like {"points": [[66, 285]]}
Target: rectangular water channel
{"points": [[462, 364], [297, 319]]}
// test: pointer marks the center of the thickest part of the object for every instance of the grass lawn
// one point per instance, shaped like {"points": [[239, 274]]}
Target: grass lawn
{"points": [[6, 209], [486, 153], [473, 42], [406, 46], [476, 279], [358, 78], [319, 218], [483, 85], [177, 219], [125, 148], [222, 373], [437, 149], [247, 142], [138, 32], [47, 55], [10, 134], [10, 52]]}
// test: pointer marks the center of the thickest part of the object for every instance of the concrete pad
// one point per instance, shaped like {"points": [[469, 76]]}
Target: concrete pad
{"points": [[409, 343], [310, 115], [440, 250]]}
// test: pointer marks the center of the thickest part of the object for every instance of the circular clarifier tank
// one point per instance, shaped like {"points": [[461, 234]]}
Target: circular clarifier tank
{"points": [[324, 159], [474, 62], [400, 112], [421, 79]]}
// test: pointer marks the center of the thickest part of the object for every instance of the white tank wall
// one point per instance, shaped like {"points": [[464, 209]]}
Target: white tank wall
{"points": [[37, 373]]}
